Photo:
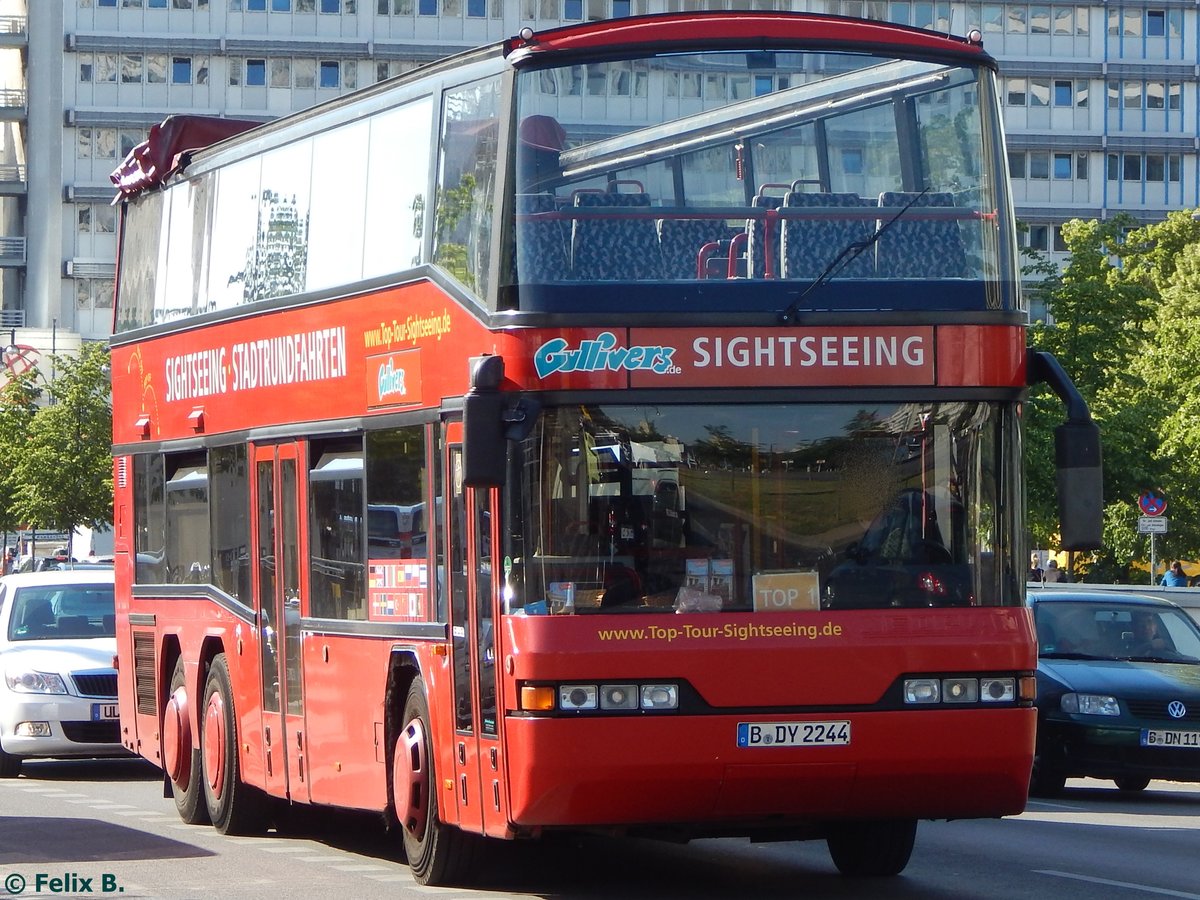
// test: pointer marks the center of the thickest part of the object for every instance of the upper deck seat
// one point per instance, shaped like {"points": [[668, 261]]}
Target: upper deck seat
{"points": [[681, 241], [612, 246], [542, 248], [912, 247], [762, 235], [810, 245]]}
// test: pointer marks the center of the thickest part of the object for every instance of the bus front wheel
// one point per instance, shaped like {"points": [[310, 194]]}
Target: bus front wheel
{"points": [[181, 761], [877, 848], [437, 853], [233, 806]]}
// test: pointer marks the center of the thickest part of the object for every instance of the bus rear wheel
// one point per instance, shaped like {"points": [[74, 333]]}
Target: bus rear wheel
{"points": [[437, 853], [233, 806], [181, 761], [874, 848]]}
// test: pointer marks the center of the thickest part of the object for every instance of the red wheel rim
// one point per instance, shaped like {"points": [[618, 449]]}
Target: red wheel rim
{"points": [[177, 739], [410, 779], [214, 743]]}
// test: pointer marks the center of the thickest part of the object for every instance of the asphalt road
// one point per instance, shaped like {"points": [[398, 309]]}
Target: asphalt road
{"points": [[103, 828]]}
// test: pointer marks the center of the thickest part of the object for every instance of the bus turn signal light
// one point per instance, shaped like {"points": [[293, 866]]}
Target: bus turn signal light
{"points": [[538, 698]]}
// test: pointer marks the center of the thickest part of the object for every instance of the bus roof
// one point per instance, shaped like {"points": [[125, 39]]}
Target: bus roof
{"points": [[769, 30]]}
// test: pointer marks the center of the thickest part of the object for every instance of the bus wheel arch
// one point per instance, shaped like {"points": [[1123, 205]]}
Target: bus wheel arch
{"points": [[437, 853]]}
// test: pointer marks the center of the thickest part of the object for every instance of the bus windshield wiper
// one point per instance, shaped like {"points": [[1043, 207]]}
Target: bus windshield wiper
{"points": [[847, 255]]}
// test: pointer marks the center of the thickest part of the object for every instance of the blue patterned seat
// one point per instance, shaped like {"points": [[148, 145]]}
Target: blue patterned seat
{"points": [[541, 240], [614, 247], [681, 240], [912, 247], [809, 245]]}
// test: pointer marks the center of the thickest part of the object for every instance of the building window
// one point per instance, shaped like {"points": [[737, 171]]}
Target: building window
{"points": [[1060, 245], [330, 71], [1039, 165], [1016, 92], [1039, 237], [1016, 20], [427, 7], [476, 9], [573, 9], [156, 68], [1131, 167], [86, 68], [256, 72], [1039, 92], [1039, 20], [1062, 165], [181, 70], [1016, 164], [1081, 166], [1064, 92], [131, 68], [281, 73], [1156, 167], [1156, 23]]}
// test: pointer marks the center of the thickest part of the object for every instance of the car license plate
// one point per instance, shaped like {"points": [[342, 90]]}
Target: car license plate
{"points": [[1153, 737], [792, 734], [102, 712]]}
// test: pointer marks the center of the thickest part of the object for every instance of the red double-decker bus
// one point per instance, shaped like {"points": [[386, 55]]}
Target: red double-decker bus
{"points": [[614, 428]]}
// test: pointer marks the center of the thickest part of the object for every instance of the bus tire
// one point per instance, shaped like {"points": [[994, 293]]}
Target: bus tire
{"points": [[873, 848], [234, 807], [181, 761], [1046, 783], [437, 853], [1132, 783]]}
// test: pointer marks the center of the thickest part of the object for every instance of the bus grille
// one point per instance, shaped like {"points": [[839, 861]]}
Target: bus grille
{"points": [[143, 672]]}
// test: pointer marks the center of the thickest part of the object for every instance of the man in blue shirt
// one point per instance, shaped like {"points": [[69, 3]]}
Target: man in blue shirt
{"points": [[1174, 576]]}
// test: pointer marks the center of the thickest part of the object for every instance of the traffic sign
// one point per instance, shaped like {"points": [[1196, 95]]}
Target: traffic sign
{"points": [[1152, 525], [1152, 504]]}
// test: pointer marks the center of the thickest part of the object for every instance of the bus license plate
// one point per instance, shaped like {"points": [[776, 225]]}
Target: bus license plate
{"points": [[792, 734], [102, 712], [1153, 737]]}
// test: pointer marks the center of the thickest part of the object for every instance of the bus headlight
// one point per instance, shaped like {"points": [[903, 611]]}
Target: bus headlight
{"points": [[660, 696], [576, 696]]}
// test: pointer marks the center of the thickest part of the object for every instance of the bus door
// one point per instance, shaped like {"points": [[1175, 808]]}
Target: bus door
{"points": [[481, 798], [276, 563]]}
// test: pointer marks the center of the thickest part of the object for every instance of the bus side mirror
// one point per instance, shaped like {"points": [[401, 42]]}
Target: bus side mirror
{"points": [[1077, 458], [484, 444], [1080, 485]]}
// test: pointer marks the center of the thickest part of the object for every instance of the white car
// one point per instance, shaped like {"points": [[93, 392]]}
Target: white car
{"points": [[58, 687]]}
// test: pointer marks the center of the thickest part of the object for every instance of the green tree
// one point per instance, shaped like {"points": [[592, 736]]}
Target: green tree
{"points": [[1100, 318], [61, 472]]}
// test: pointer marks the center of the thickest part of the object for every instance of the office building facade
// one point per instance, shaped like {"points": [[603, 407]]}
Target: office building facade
{"points": [[1101, 103]]}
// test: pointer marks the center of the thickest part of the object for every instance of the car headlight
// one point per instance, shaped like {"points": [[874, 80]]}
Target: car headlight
{"points": [[1090, 704], [35, 683]]}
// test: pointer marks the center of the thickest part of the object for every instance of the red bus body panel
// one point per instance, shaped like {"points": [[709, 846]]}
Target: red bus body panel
{"points": [[979, 758]]}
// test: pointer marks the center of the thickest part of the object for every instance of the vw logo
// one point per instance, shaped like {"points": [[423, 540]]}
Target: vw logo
{"points": [[1176, 709]]}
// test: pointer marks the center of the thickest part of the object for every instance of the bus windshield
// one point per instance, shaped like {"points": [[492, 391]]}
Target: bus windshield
{"points": [[794, 171], [715, 508]]}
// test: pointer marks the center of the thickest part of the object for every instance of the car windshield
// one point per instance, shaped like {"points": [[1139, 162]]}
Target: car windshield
{"points": [[1115, 631], [50, 612]]}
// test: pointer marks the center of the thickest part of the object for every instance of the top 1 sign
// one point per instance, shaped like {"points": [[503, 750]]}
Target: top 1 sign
{"points": [[1152, 504]]}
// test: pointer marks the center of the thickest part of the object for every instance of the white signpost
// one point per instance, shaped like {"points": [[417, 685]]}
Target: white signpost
{"points": [[1153, 522]]}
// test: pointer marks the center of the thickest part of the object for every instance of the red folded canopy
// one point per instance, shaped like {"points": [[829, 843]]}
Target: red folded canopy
{"points": [[151, 162]]}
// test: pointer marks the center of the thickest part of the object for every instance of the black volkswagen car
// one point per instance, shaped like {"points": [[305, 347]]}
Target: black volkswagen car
{"points": [[1118, 690]]}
